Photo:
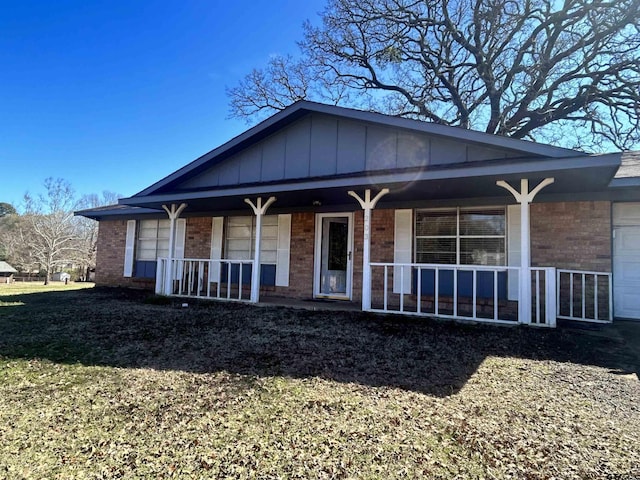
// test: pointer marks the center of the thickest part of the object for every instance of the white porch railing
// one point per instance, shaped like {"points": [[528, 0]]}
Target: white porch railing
{"points": [[465, 292], [543, 289], [585, 296], [205, 278]]}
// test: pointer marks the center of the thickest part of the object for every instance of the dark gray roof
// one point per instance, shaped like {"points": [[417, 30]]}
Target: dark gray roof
{"points": [[6, 268], [118, 211], [302, 108]]}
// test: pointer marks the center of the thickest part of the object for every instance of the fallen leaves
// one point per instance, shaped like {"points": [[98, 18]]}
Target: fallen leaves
{"points": [[132, 390]]}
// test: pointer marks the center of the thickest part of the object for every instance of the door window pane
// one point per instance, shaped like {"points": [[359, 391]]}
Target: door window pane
{"points": [[337, 246]]}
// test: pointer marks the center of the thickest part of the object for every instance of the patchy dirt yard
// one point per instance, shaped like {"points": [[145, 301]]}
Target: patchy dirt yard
{"points": [[106, 383]]}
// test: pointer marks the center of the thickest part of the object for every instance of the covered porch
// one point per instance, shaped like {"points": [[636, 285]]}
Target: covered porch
{"points": [[514, 293]]}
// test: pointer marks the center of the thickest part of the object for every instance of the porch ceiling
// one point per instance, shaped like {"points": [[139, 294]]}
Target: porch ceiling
{"points": [[575, 175]]}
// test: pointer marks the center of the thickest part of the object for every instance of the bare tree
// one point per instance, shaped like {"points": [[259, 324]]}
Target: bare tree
{"points": [[537, 69], [85, 254], [14, 240], [51, 230]]}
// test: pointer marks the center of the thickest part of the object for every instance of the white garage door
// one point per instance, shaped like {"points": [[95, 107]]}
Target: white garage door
{"points": [[626, 260]]}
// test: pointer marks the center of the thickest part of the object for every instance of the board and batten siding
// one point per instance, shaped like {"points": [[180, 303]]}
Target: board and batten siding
{"points": [[323, 145]]}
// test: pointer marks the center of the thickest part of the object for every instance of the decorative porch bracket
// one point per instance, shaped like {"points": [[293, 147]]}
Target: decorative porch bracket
{"points": [[173, 212], [367, 205], [259, 210], [524, 197]]}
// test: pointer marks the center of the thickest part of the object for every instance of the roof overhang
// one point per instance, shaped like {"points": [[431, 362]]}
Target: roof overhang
{"points": [[119, 212], [472, 180]]}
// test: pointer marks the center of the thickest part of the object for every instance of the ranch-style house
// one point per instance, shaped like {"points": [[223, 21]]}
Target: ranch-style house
{"points": [[397, 215]]}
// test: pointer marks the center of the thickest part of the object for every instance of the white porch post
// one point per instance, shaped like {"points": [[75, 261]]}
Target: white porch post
{"points": [[524, 197], [173, 212], [259, 209], [367, 205]]}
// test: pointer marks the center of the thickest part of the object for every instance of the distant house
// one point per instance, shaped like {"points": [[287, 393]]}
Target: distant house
{"points": [[6, 272], [61, 277], [403, 216]]}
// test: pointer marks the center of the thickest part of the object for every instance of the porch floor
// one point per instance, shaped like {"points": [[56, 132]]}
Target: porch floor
{"points": [[312, 304]]}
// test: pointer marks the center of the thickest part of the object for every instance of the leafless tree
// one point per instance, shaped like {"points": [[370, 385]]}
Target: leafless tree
{"points": [[562, 71], [52, 230], [85, 252]]}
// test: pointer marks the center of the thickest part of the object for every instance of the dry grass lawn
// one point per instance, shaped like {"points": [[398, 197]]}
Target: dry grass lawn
{"points": [[100, 383]]}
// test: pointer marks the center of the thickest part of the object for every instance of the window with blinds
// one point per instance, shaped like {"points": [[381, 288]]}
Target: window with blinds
{"points": [[462, 236], [240, 239], [153, 239]]}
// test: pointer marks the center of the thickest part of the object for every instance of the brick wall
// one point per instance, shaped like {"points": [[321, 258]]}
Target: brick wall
{"points": [[198, 237], [571, 235], [382, 231], [574, 235], [303, 227], [111, 245], [112, 236]]}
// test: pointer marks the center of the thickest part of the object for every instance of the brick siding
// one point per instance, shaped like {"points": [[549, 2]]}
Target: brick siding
{"points": [[198, 237], [303, 227], [112, 235], [571, 235]]}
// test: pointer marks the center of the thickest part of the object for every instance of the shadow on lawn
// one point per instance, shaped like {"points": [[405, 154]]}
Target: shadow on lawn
{"points": [[116, 327]]}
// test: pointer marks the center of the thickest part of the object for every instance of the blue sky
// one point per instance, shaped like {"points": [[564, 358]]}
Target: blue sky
{"points": [[114, 95]]}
